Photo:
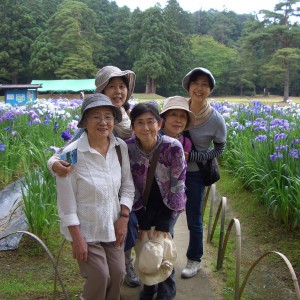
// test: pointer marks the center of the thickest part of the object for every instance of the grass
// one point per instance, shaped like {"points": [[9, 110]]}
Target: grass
{"points": [[27, 273], [260, 234]]}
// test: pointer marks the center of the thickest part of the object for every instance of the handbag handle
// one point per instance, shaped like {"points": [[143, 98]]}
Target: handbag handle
{"points": [[150, 176]]}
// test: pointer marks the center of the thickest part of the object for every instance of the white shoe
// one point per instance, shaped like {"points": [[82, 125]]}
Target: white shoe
{"points": [[191, 269]]}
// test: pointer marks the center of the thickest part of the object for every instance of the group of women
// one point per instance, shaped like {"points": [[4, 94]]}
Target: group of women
{"points": [[114, 151]]}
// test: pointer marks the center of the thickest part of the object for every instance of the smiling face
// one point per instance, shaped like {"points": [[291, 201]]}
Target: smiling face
{"points": [[175, 121], [99, 122], [116, 90], [146, 128], [200, 89]]}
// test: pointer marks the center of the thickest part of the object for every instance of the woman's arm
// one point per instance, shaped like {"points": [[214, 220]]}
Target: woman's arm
{"points": [[58, 167], [175, 197], [197, 156], [79, 245]]}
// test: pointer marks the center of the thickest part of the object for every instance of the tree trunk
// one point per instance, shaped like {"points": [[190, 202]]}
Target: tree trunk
{"points": [[153, 86], [286, 84], [266, 92], [148, 86]]}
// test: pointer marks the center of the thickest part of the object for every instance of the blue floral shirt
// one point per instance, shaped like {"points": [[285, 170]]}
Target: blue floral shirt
{"points": [[169, 173]]}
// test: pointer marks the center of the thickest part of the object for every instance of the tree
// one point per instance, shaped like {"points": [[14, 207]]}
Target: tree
{"points": [[45, 57], [72, 31], [150, 49], [281, 66], [160, 51], [216, 57], [19, 27], [281, 33]]}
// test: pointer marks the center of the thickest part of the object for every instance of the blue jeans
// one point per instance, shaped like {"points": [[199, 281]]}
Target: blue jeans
{"points": [[195, 195]]}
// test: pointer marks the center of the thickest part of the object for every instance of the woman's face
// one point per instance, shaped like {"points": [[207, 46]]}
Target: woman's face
{"points": [[116, 91], [146, 128], [175, 122], [200, 89], [99, 122]]}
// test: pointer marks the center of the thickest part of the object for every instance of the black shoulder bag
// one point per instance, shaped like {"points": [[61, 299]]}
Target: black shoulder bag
{"points": [[209, 169]]}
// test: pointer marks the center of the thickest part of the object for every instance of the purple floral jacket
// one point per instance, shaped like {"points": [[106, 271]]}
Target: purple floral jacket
{"points": [[169, 173]]}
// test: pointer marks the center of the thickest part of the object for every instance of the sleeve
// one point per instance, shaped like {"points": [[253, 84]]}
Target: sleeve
{"points": [[175, 198], [51, 162], [66, 202], [219, 142], [56, 156], [197, 156], [127, 186]]}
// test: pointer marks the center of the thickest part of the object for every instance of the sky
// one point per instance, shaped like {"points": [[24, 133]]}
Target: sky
{"points": [[238, 6]]}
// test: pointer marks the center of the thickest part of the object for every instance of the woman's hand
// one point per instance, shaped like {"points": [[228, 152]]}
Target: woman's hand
{"points": [[62, 168], [79, 245], [121, 230], [80, 249]]}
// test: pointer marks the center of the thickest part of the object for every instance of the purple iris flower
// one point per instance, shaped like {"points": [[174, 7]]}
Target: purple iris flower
{"points": [[274, 156], [2, 147], [280, 136], [294, 153], [293, 142], [261, 138], [66, 135]]}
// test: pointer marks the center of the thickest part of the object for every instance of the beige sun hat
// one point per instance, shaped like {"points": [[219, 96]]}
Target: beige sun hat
{"points": [[98, 100], [155, 259], [106, 73], [178, 102]]}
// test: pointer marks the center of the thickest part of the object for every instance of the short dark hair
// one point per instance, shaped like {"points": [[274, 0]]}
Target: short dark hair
{"points": [[195, 75], [126, 105], [142, 108]]}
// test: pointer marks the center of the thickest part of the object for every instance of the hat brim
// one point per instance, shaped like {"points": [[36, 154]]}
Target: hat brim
{"points": [[163, 273], [191, 115], [127, 73]]}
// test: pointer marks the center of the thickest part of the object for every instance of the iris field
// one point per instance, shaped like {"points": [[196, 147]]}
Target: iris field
{"points": [[263, 149]]}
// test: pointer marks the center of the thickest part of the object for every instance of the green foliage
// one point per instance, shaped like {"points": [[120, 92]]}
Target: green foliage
{"points": [[265, 156], [73, 39], [214, 56], [19, 27], [38, 193]]}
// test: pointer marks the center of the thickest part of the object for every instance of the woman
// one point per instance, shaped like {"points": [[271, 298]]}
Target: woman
{"points": [[177, 117], [167, 194], [209, 128], [118, 86], [95, 198]]}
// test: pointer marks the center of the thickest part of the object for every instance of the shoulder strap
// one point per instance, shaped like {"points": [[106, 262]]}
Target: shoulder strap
{"points": [[183, 142], [119, 153], [150, 175]]}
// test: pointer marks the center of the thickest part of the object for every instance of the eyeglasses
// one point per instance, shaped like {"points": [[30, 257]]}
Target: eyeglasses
{"points": [[98, 119], [149, 123]]}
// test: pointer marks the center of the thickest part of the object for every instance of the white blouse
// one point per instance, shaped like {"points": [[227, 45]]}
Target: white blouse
{"points": [[91, 195]]}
